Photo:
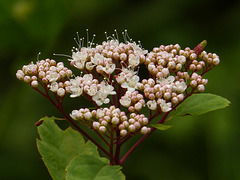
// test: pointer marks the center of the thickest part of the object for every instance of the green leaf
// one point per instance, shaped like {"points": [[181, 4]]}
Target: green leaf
{"points": [[198, 104], [161, 126], [91, 168], [58, 147]]}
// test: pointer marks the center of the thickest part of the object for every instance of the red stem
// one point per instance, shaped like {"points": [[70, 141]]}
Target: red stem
{"points": [[59, 107]]}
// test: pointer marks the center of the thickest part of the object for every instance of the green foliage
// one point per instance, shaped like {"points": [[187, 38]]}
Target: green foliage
{"points": [[161, 126], [65, 152], [198, 104], [88, 167]]}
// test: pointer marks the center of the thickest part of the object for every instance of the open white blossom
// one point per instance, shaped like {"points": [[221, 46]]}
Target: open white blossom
{"points": [[167, 81], [134, 60], [97, 58], [152, 105], [182, 59], [109, 68], [138, 50], [54, 87], [180, 86], [28, 69], [79, 58], [101, 96], [87, 79], [165, 107], [131, 83], [52, 76], [125, 100], [75, 88], [92, 90]]}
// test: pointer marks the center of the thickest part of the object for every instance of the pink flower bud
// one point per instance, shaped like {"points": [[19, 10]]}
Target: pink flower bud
{"points": [[115, 121], [201, 88], [102, 129], [96, 125], [123, 57], [61, 92], [216, 61], [20, 75], [131, 128], [123, 132], [144, 130], [34, 84]]}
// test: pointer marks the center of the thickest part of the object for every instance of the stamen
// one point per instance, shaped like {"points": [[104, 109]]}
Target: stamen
{"points": [[87, 37], [38, 56], [116, 34], [92, 40], [64, 55]]}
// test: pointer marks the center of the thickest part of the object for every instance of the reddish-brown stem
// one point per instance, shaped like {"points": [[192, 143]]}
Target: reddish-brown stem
{"points": [[101, 137], [118, 147], [59, 107], [112, 162]]}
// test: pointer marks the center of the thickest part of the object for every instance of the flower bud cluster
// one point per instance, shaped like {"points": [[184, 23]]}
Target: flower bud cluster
{"points": [[133, 101], [112, 117], [164, 93], [53, 75], [164, 60], [196, 81]]}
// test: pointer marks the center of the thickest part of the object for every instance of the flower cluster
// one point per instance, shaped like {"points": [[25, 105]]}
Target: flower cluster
{"points": [[51, 74], [105, 119], [110, 77]]}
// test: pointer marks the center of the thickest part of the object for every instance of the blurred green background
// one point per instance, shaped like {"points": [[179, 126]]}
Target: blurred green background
{"points": [[196, 148]]}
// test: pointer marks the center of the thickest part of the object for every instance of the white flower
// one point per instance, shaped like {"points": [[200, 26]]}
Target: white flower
{"points": [[120, 78], [54, 87], [181, 86], [138, 50], [182, 59], [75, 87], [166, 81], [133, 60], [165, 107], [52, 76], [125, 101], [99, 113], [76, 91], [74, 114], [60, 66], [101, 96], [92, 90], [165, 71], [131, 83], [113, 43], [89, 66], [29, 69], [79, 59], [109, 68], [152, 105], [87, 79], [97, 57]]}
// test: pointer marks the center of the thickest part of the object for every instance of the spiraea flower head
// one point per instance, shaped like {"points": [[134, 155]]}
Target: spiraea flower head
{"points": [[111, 77]]}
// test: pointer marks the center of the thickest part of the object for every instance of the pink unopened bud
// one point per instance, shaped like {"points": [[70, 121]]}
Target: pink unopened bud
{"points": [[34, 84]]}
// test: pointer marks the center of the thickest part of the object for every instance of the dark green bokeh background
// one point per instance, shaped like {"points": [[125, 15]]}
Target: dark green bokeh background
{"points": [[196, 148]]}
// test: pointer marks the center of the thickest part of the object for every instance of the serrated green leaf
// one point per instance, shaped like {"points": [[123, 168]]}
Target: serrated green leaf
{"points": [[161, 126], [58, 147], [91, 168], [198, 104]]}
